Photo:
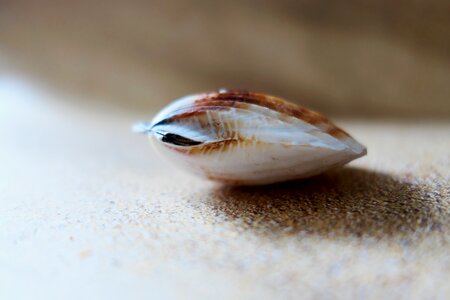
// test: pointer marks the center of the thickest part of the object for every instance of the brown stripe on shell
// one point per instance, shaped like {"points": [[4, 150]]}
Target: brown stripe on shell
{"points": [[217, 101], [336, 132], [216, 147], [230, 98]]}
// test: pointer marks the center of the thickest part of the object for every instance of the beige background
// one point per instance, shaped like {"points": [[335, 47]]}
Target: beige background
{"points": [[357, 58], [88, 211]]}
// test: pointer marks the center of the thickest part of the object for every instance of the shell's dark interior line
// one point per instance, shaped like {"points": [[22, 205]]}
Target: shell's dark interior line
{"points": [[179, 140]]}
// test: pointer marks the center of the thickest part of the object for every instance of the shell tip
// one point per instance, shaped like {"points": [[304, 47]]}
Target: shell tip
{"points": [[141, 127]]}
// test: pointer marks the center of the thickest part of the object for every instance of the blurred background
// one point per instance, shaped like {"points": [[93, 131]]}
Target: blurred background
{"points": [[373, 58], [89, 211]]}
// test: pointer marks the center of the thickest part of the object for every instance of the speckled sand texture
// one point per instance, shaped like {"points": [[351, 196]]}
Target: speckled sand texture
{"points": [[89, 211]]}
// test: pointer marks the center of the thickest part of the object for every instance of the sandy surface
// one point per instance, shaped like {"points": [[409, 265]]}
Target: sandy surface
{"points": [[89, 211]]}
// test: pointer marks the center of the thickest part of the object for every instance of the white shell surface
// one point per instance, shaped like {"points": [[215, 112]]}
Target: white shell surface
{"points": [[249, 139]]}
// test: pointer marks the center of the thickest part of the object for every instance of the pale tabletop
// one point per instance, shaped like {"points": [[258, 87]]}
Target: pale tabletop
{"points": [[88, 210]]}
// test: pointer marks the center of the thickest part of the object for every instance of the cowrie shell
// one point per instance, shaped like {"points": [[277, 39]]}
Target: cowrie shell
{"points": [[247, 138]]}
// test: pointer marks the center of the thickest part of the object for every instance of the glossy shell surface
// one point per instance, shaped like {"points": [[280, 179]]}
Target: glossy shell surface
{"points": [[246, 138]]}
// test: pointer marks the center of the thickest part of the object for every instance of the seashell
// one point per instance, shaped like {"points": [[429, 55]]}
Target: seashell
{"points": [[247, 138]]}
